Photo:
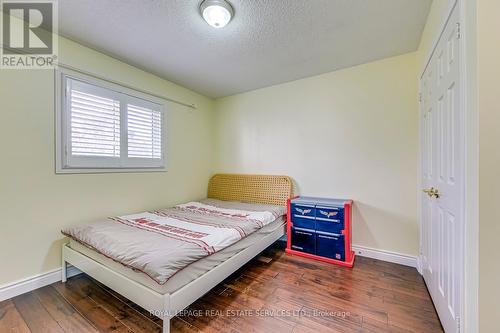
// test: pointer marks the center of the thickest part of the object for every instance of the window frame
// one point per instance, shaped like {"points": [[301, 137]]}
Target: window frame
{"points": [[66, 163]]}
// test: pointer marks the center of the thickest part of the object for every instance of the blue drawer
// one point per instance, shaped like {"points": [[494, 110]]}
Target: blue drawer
{"points": [[304, 222], [304, 240], [329, 219], [303, 216], [330, 246], [331, 226]]}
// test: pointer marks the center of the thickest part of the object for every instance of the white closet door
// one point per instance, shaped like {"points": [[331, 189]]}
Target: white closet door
{"points": [[442, 177]]}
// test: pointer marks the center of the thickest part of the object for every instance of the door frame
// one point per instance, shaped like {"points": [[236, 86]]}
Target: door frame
{"points": [[469, 311]]}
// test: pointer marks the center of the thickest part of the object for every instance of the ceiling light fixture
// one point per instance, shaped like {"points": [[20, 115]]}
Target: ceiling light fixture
{"points": [[217, 13]]}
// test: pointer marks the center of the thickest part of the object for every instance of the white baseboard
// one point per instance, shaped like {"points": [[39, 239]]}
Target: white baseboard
{"points": [[397, 258], [38, 281], [419, 265]]}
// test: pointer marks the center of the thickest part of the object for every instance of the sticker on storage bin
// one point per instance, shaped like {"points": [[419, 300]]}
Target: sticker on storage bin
{"points": [[328, 214], [303, 211]]}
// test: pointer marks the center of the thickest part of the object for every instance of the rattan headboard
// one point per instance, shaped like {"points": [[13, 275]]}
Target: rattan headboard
{"points": [[265, 189]]}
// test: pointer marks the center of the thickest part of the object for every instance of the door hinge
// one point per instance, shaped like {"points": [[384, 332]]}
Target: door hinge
{"points": [[458, 324], [459, 31]]}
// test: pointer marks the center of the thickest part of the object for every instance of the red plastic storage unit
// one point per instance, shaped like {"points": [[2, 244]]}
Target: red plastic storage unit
{"points": [[320, 229]]}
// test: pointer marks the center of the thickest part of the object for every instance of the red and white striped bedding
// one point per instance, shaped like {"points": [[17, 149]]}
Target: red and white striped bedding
{"points": [[162, 242]]}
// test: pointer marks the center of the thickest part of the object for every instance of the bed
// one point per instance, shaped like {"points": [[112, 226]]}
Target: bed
{"points": [[167, 287]]}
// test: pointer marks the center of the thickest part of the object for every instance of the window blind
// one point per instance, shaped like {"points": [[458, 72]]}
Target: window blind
{"points": [[144, 132], [95, 125], [109, 127]]}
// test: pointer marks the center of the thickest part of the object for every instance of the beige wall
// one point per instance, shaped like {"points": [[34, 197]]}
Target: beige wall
{"points": [[350, 133], [488, 55], [35, 203]]}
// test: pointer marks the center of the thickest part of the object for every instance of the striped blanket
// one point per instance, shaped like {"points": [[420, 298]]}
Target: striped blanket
{"points": [[162, 242]]}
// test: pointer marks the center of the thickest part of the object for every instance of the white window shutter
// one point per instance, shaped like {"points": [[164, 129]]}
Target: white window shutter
{"points": [[106, 126], [144, 132], [95, 125]]}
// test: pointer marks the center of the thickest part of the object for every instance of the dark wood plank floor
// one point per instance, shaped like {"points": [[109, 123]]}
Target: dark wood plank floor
{"points": [[285, 294]]}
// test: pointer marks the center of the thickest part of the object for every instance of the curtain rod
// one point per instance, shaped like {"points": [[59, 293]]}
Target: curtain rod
{"points": [[192, 106]]}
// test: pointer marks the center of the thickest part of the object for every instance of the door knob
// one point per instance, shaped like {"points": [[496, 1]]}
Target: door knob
{"points": [[432, 192]]}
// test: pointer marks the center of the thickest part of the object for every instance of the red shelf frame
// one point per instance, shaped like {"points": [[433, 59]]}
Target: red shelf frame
{"points": [[347, 232]]}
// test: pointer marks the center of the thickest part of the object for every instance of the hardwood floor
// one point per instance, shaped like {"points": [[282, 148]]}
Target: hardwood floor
{"points": [[285, 294]]}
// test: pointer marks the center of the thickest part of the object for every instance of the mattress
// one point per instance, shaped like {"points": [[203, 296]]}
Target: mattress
{"points": [[190, 272], [162, 242]]}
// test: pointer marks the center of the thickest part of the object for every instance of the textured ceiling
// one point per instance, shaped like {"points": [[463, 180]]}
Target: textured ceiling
{"points": [[267, 42]]}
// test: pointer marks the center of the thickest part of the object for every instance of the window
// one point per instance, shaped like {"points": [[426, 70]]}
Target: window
{"points": [[106, 127]]}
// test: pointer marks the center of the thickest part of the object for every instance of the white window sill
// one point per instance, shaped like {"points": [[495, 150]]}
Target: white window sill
{"points": [[109, 170]]}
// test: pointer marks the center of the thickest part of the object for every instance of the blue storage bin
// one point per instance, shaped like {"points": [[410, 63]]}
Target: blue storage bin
{"points": [[304, 240], [330, 245], [320, 226]]}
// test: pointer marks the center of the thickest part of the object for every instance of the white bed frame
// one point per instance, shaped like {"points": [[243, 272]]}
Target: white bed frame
{"points": [[164, 306]]}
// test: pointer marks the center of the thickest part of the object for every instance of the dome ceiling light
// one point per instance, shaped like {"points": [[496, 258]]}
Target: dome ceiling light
{"points": [[217, 13]]}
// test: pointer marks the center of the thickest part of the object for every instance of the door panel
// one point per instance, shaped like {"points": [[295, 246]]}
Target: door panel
{"points": [[442, 169]]}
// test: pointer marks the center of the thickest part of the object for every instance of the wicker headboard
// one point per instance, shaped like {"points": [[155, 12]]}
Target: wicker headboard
{"points": [[265, 189]]}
